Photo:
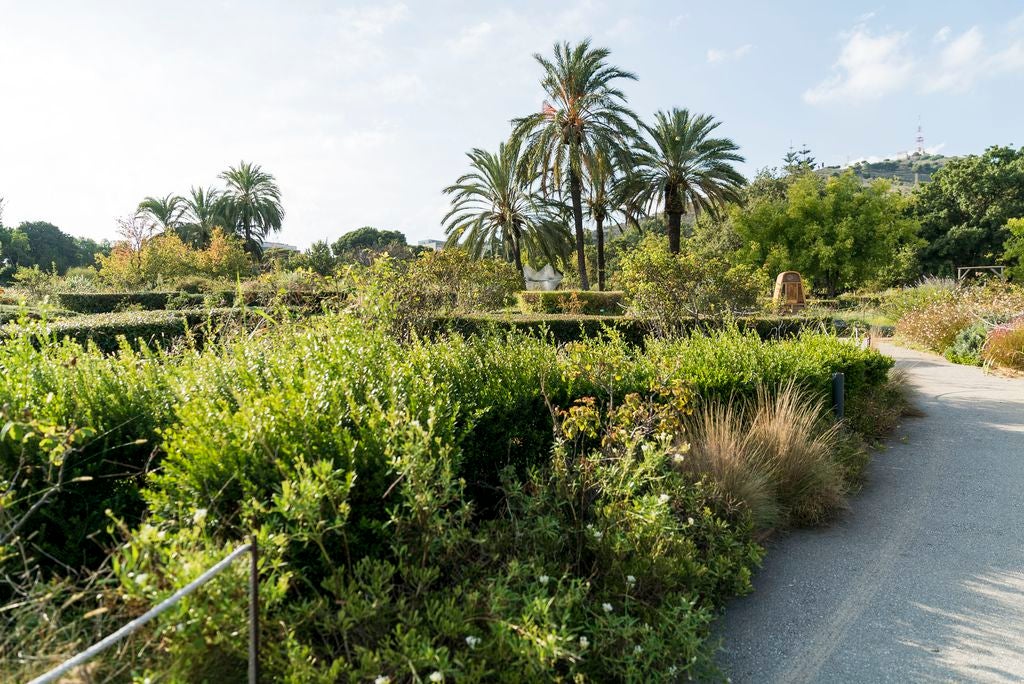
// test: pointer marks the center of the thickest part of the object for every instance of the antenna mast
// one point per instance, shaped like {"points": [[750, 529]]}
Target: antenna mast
{"points": [[919, 140]]}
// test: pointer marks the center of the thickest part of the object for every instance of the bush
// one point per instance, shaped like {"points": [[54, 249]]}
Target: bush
{"points": [[472, 506], [667, 289], [938, 322], [966, 346], [1005, 345], [572, 302]]}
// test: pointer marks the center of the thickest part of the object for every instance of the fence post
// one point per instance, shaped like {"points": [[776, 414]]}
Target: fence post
{"points": [[839, 395], [254, 612]]}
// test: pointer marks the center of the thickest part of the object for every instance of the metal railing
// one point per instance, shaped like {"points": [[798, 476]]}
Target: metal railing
{"points": [[254, 613]]}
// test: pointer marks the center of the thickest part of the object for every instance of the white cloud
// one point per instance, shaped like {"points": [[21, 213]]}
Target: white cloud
{"points": [[371, 20], [942, 35], [715, 55], [958, 64], [868, 67], [470, 39]]}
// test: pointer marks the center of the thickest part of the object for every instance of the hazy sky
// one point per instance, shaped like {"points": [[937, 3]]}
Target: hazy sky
{"points": [[364, 111]]}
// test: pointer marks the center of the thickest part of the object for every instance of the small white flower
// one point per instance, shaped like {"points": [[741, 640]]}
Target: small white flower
{"points": [[544, 579], [472, 641], [584, 642], [607, 607], [630, 580], [199, 516], [689, 521], [678, 458], [663, 499], [638, 649], [672, 671], [436, 676], [382, 679], [597, 533]]}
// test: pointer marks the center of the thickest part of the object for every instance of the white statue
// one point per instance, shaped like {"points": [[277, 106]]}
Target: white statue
{"points": [[546, 278]]}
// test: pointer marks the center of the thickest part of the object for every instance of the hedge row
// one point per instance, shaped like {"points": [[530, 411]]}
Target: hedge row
{"points": [[109, 302], [572, 302], [155, 328], [567, 328]]}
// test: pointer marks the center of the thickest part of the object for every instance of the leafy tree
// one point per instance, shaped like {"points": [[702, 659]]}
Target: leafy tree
{"points": [[798, 161], [320, 258], [837, 232], [684, 168], [252, 204], [965, 210], [1014, 253], [167, 213], [366, 238], [585, 111], [494, 213], [50, 247]]}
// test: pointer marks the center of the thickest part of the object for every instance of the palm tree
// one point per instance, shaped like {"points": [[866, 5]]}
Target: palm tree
{"points": [[585, 111], [494, 212], [204, 211], [252, 204], [601, 201], [684, 167], [164, 213]]}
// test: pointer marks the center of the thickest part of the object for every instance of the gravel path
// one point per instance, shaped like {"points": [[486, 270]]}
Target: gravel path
{"points": [[923, 579]]}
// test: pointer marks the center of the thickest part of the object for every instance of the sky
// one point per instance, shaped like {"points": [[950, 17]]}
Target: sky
{"points": [[364, 111]]}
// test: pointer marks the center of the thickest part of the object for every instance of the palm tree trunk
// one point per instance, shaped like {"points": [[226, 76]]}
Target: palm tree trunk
{"points": [[599, 221], [518, 256], [674, 222], [674, 219], [575, 190]]}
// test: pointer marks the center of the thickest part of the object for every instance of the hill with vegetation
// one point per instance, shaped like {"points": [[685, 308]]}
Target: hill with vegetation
{"points": [[909, 170]]}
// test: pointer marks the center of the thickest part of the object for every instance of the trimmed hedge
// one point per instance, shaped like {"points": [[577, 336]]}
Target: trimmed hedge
{"points": [[111, 302], [107, 302], [566, 328], [155, 328], [572, 302]]}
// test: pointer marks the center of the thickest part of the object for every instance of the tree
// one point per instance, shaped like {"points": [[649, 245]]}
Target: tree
{"points": [[252, 203], [493, 212], [166, 213], [964, 211], [585, 111], [1014, 252], [839, 233], [366, 238], [204, 212], [798, 161], [320, 259], [601, 201], [685, 168]]}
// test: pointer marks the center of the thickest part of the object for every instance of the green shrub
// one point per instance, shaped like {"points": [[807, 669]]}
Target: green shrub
{"points": [[667, 289], [572, 302], [966, 346]]}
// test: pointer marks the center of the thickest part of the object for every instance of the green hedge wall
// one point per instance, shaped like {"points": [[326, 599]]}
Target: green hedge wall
{"points": [[572, 302], [152, 327], [568, 328], [107, 302]]}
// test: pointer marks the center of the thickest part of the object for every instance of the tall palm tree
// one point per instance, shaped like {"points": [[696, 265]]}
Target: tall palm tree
{"points": [[164, 213], [601, 200], [684, 167], [252, 203], [494, 212], [585, 110], [204, 211]]}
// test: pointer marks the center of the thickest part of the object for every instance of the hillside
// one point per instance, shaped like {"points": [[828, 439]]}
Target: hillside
{"points": [[917, 168]]}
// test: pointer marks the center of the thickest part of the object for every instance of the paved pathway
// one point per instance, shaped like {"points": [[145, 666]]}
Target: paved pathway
{"points": [[923, 579]]}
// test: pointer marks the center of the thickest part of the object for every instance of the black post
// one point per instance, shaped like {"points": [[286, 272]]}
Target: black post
{"points": [[839, 395], [254, 613]]}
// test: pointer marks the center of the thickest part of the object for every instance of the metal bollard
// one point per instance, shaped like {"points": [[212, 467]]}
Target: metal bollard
{"points": [[839, 395], [254, 612]]}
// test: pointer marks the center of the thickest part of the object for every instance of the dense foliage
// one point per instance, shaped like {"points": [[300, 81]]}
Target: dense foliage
{"points": [[481, 507]]}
